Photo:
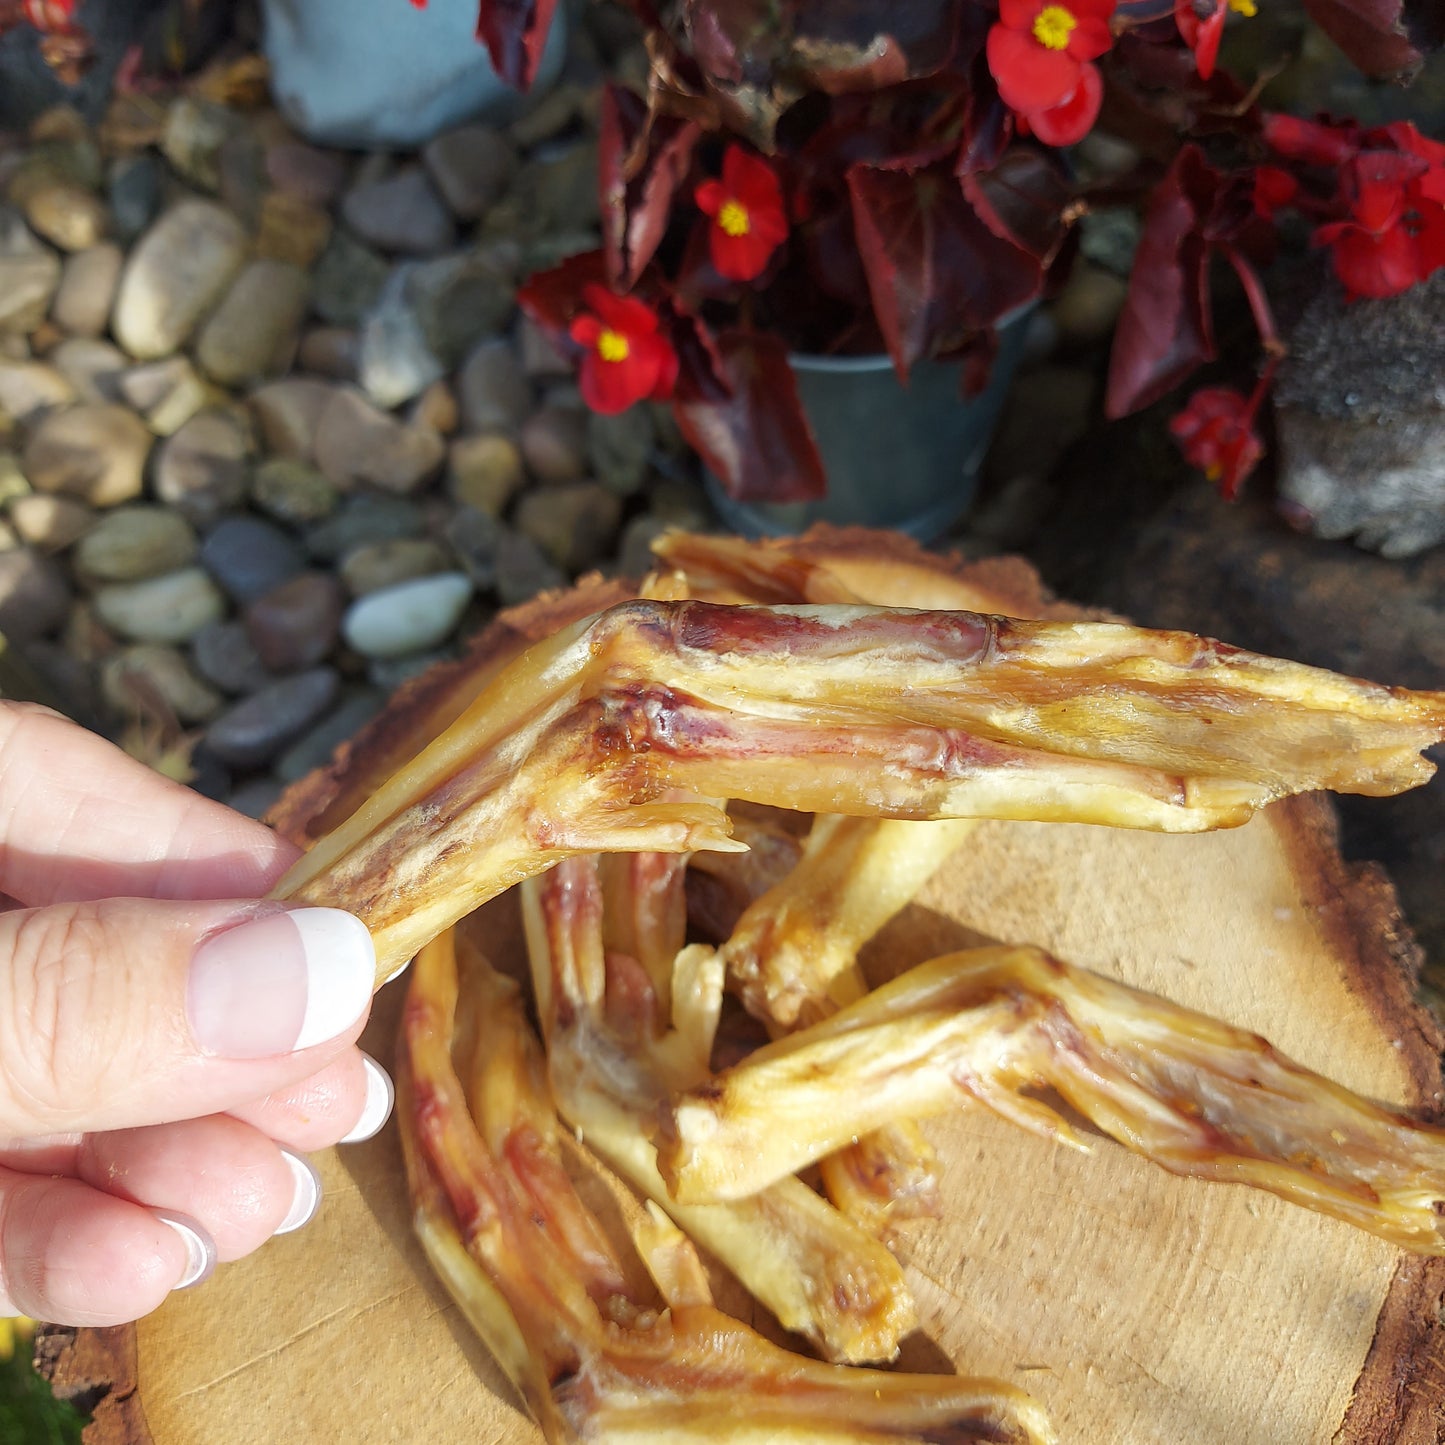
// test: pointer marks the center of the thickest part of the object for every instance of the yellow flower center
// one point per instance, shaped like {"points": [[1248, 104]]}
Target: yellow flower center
{"points": [[1054, 25], [732, 216], [1244, 7], [612, 346]]}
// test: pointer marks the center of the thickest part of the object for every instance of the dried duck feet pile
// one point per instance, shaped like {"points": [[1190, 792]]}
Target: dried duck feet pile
{"points": [[623, 734]]}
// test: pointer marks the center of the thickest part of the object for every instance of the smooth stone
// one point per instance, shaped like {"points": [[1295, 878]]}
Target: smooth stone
{"points": [[252, 732], [28, 389], [34, 596], [547, 117], [389, 673], [160, 670], [177, 272], [316, 748], [554, 444], [253, 332], [619, 448], [523, 570], [634, 552], [130, 544], [485, 471], [241, 172], [333, 351], [134, 186], [471, 166], [67, 215], [363, 519], [92, 366], [542, 358], [574, 524], [13, 482], [203, 468], [248, 557], [291, 230], [196, 131], [307, 172], [295, 624], [166, 393], [347, 280], [383, 564], [225, 656], [492, 390], [170, 608], [478, 538], [409, 617], [94, 453], [457, 299], [557, 187], [436, 408], [1087, 308], [29, 275], [256, 797], [49, 524], [358, 445], [88, 282], [288, 413], [292, 491], [395, 361], [402, 213]]}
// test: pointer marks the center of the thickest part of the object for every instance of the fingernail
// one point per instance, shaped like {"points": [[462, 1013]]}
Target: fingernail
{"points": [[280, 983], [307, 1199], [380, 1095], [200, 1248]]}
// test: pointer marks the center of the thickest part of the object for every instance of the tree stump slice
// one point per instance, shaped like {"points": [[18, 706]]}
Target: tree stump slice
{"points": [[1140, 1308]]}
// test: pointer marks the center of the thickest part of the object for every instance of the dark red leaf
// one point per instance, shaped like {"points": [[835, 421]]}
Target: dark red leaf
{"points": [[552, 298], [936, 272], [848, 45], [515, 34], [1375, 34], [757, 442], [1026, 198], [1164, 330], [702, 374]]}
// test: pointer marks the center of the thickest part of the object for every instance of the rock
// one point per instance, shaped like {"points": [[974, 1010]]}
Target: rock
{"points": [[88, 282], [386, 674], [92, 366], [292, 491], [363, 519], [457, 299], [333, 351], [202, 469], [485, 471], [478, 539], [554, 444], [358, 445], [94, 453], [169, 608], [557, 187], [315, 749], [548, 115], [257, 797], [49, 524], [573, 524], [253, 332], [1087, 308], [253, 731], [541, 357], [244, 185], [492, 391], [377, 565], [133, 543], [288, 413], [134, 675], [401, 213], [291, 230], [29, 275], [28, 389], [409, 617], [225, 656], [67, 215], [394, 360], [436, 408], [195, 132], [248, 557], [523, 571], [634, 554], [178, 270], [12, 480], [134, 185], [347, 280], [166, 393], [34, 596], [306, 172], [294, 625], [619, 448], [1068, 396], [471, 166]]}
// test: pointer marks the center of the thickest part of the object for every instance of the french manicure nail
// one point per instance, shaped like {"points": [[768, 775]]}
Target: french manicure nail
{"points": [[280, 983], [200, 1248], [307, 1198], [380, 1095]]}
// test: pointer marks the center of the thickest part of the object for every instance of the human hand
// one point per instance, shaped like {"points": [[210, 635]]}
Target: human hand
{"points": [[163, 1055]]}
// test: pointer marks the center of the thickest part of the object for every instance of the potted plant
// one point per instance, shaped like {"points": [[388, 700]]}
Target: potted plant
{"points": [[824, 180]]}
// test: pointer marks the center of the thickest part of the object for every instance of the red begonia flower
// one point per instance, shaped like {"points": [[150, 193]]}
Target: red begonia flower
{"points": [[1069, 122], [1316, 143], [1036, 51], [1201, 23], [627, 359], [749, 220], [1215, 431], [51, 15], [1273, 190]]}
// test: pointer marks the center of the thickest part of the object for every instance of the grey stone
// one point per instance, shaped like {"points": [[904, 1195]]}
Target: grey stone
{"points": [[523, 570], [573, 524], [133, 543], [394, 360], [134, 185], [289, 411], [253, 332], [458, 299], [620, 447], [383, 564], [94, 453], [389, 673], [28, 389], [29, 275], [178, 270], [34, 597], [401, 213], [347, 280], [166, 393], [307, 172], [541, 357], [471, 166], [557, 187], [485, 471], [88, 283], [49, 524], [169, 608], [333, 351], [135, 673], [225, 656], [554, 444], [92, 366], [492, 390], [203, 469], [196, 129], [358, 445], [361, 520], [248, 557], [253, 731], [409, 617], [314, 750], [293, 491], [634, 553], [478, 538], [294, 625], [256, 797]]}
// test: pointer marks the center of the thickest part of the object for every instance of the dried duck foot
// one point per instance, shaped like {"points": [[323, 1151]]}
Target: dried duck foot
{"points": [[530, 1268], [1191, 1093], [853, 710]]}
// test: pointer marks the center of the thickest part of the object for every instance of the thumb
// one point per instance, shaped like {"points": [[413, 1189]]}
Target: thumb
{"points": [[127, 1011]]}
